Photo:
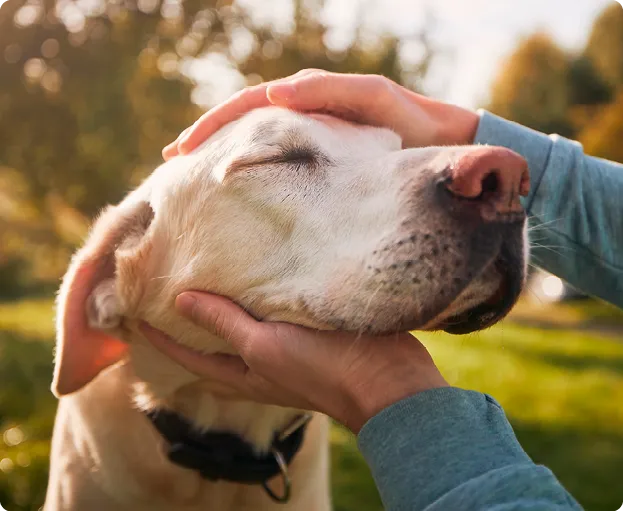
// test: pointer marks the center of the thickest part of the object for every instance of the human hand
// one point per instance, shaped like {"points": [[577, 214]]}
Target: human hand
{"points": [[366, 99], [348, 377]]}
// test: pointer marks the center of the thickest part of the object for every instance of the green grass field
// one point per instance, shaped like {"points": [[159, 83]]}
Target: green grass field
{"points": [[562, 388]]}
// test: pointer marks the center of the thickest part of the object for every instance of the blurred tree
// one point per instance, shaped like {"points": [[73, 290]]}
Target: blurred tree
{"points": [[90, 91], [586, 85], [605, 45], [532, 86], [602, 136], [545, 88], [83, 102], [588, 93]]}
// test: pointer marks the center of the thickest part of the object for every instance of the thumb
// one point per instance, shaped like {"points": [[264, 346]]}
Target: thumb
{"points": [[224, 319]]}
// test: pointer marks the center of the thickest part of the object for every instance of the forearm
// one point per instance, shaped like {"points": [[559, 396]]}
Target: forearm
{"points": [[454, 449], [575, 207]]}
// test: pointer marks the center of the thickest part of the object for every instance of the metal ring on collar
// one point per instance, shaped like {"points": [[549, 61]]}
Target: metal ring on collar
{"points": [[285, 477]]}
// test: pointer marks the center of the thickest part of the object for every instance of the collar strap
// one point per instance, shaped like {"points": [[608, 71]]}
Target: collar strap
{"points": [[224, 455]]}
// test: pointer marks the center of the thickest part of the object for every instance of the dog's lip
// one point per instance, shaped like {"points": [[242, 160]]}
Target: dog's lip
{"points": [[490, 311], [477, 317]]}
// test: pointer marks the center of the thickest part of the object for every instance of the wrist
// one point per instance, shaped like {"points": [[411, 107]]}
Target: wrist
{"points": [[366, 401], [454, 125]]}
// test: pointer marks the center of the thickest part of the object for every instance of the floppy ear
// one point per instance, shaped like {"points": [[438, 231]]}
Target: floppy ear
{"points": [[88, 301]]}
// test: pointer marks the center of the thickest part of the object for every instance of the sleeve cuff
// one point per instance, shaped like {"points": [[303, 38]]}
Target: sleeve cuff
{"points": [[436, 440]]}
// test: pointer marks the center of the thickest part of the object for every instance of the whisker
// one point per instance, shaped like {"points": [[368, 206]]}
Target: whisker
{"points": [[566, 247], [545, 247], [544, 225]]}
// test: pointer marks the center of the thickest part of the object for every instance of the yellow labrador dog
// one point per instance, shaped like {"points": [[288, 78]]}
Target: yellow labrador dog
{"points": [[299, 218]]}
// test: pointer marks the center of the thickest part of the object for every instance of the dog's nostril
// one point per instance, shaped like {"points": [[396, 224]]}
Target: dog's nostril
{"points": [[491, 182], [492, 179]]}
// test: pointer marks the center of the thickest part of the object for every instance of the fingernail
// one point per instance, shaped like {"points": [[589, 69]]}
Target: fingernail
{"points": [[281, 91], [185, 304]]}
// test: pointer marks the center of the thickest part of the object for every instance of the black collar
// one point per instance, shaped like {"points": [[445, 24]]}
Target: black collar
{"points": [[223, 455]]}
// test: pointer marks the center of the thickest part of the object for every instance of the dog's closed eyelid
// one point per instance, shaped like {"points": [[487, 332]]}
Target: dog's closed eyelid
{"points": [[300, 154], [283, 155]]}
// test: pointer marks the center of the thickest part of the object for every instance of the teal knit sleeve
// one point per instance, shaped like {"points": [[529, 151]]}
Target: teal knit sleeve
{"points": [[575, 207], [453, 450]]}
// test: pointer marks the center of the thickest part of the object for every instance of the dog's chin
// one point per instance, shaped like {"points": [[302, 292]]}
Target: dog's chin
{"points": [[481, 304], [486, 312], [481, 316]]}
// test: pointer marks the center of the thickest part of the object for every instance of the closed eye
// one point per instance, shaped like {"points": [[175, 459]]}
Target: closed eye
{"points": [[302, 155], [299, 155]]}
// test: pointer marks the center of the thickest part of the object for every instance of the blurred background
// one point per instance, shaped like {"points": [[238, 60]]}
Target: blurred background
{"points": [[90, 91]]}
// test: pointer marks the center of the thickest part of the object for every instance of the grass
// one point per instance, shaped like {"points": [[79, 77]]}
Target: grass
{"points": [[577, 314], [562, 389]]}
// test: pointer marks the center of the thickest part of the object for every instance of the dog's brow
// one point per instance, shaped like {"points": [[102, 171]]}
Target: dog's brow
{"points": [[265, 131], [290, 142]]}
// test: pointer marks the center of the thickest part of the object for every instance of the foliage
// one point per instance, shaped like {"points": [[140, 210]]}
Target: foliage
{"points": [[561, 389], [605, 44], [603, 135], [575, 95], [532, 86], [91, 92]]}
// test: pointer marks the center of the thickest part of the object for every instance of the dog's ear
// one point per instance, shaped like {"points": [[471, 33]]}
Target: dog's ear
{"points": [[89, 305]]}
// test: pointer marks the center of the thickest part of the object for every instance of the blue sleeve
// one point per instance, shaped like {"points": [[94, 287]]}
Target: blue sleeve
{"points": [[452, 449], [575, 207]]}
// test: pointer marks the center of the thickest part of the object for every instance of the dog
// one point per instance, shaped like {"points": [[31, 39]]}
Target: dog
{"points": [[301, 218]]}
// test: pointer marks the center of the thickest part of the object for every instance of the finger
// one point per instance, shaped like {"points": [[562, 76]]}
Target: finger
{"points": [[217, 117], [223, 318], [325, 91], [226, 368], [171, 150]]}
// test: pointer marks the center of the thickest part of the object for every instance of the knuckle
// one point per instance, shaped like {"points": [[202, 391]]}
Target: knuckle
{"points": [[284, 333], [382, 84], [246, 351], [385, 92], [323, 76], [317, 75], [309, 70], [247, 346], [250, 88], [219, 324], [243, 93], [258, 383]]}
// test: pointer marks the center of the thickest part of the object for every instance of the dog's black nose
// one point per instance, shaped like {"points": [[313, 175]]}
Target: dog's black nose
{"points": [[492, 179]]}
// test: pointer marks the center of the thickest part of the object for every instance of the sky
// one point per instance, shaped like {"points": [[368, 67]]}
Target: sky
{"points": [[474, 35]]}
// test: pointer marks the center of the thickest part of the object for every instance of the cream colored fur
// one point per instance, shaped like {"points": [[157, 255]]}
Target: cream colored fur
{"points": [[348, 236]]}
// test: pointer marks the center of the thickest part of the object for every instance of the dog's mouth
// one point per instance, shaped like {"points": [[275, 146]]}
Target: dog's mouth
{"points": [[495, 307]]}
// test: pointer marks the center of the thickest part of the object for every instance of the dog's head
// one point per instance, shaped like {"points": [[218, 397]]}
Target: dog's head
{"points": [[306, 219]]}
